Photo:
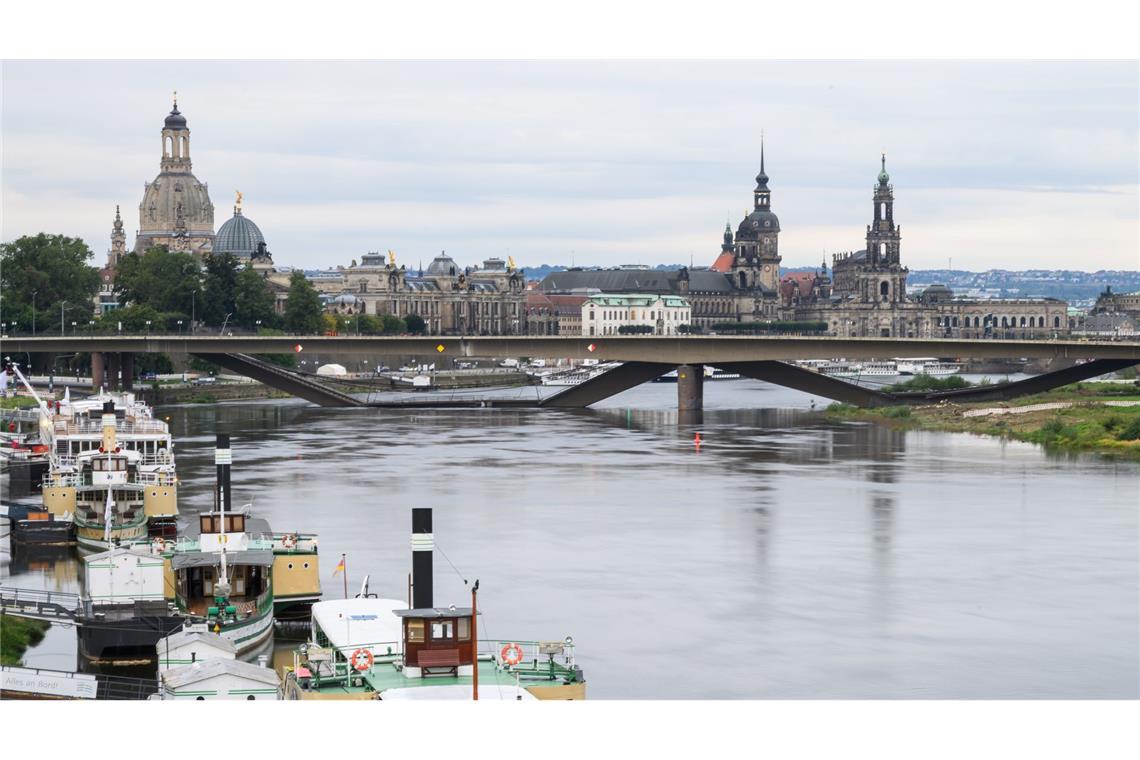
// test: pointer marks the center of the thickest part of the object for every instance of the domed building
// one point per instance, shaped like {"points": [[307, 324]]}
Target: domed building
{"points": [[240, 237], [176, 210]]}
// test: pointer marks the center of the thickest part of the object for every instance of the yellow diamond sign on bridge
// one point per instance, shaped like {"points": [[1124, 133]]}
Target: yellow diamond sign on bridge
{"points": [[439, 348]]}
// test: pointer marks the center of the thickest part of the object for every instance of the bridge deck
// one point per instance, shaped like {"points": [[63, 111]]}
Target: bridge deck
{"points": [[644, 348]]}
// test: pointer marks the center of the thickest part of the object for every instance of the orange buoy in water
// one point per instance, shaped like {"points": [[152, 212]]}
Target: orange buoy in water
{"points": [[697, 439]]}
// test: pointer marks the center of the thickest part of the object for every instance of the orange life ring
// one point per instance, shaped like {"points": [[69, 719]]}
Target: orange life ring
{"points": [[362, 659], [511, 654]]}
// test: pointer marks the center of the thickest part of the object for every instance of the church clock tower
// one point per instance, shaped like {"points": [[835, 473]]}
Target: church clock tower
{"points": [[757, 263]]}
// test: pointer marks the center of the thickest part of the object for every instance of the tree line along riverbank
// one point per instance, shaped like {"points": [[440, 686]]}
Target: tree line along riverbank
{"points": [[1098, 417]]}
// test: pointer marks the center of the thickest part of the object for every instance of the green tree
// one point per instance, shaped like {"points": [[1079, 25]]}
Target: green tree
{"points": [[134, 319], [253, 300], [55, 269], [415, 324], [370, 325], [167, 281], [393, 325], [303, 311], [221, 288]]}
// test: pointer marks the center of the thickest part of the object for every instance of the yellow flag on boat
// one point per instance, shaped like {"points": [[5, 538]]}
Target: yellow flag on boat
{"points": [[339, 567]]}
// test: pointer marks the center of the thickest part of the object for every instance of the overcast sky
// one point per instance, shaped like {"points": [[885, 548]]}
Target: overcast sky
{"points": [[995, 165]]}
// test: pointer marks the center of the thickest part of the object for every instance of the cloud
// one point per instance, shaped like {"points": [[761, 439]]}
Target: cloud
{"points": [[1011, 164]]}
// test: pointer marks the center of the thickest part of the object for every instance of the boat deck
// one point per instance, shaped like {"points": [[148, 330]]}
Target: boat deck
{"points": [[494, 681]]}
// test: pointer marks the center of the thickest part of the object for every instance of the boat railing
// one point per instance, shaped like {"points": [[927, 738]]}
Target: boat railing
{"points": [[155, 478], [122, 427], [302, 542], [186, 544]]}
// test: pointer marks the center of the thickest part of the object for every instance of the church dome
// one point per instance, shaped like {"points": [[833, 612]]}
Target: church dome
{"points": [[239, 236], [175, 120], [757, 222], [443, 265]]}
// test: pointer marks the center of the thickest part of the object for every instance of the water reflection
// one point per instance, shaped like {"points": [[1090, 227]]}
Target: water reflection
{"points": [[847, 560]]}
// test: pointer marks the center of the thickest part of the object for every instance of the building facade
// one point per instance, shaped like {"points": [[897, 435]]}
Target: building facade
{"points": [[864, 295], [487, 300], [607, 313]]}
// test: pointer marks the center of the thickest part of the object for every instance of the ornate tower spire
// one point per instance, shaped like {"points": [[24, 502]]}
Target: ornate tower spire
{"points": [[175, 141], [762, 196], [118, 240], [882, 235]]}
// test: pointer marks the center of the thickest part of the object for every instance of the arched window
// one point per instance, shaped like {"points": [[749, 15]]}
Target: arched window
{"points": [[884, 289], [1023, 321], [1004, 322], [1041, 321], [185, 146], [955, 321], [1056, 321]]}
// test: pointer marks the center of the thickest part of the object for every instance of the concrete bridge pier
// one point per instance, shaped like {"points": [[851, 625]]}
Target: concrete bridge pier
{"points": [[127, 362], [690, 388], [97, 369], [114, 370]]}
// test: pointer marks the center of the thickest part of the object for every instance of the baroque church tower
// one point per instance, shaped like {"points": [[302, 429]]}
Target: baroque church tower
{"points": [[118, 241], [883, 243], [757, 261], [176, 210]]}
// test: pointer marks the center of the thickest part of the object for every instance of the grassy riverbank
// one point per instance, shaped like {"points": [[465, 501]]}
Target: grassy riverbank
{"points": [[16, 635], [1089, 424]]}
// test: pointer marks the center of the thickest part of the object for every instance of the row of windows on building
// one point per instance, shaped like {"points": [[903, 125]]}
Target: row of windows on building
{"points": [[949, 321], [632, 314]]}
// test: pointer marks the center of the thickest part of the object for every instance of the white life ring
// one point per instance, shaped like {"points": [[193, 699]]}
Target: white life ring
{"points": [[158, 545], [289, 541]]}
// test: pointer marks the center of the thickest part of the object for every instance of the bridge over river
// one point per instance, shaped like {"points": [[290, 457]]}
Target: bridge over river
{"points": [[643, 358]]}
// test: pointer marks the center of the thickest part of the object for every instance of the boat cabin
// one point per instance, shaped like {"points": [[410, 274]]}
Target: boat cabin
{"points": [[437, 641], [197, 568]]}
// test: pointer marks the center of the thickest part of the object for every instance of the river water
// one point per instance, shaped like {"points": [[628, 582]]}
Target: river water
{"points": [[784, 557]]}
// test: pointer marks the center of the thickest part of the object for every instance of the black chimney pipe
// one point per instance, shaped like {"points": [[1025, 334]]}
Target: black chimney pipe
{"points": [[422, 545], [222, 458]]}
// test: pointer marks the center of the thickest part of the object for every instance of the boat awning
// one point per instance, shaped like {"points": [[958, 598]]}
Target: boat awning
{"points": [[213, 559]]}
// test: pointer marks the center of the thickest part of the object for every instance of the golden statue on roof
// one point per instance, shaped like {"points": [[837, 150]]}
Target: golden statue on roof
{"points": [[510, 262], [237, 206], [391, 257]]}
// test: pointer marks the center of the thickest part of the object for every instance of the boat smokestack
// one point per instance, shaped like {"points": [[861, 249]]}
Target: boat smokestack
{"points": [[108, 426], [223, 457], [422, 546]]}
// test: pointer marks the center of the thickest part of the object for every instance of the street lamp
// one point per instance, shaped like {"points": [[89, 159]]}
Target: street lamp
{"points": [[61, 305], [180, 328], [148, 328], [73, 327], [258, 323], [90, 328]]}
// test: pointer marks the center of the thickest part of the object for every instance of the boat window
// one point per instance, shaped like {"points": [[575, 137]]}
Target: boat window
{"points": [[443, 629], [415, 630], [464, 629]]}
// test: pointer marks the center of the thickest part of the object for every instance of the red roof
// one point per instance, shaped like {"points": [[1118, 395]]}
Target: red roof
{"points": [[801, 280], [723, 263]]}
